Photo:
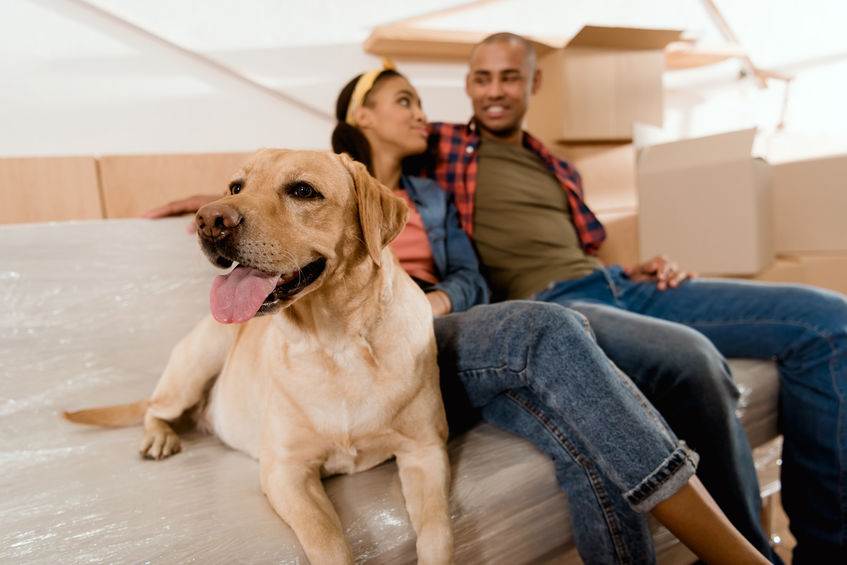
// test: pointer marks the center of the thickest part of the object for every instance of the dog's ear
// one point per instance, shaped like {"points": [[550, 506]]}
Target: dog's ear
{"points": [[382, 215]]}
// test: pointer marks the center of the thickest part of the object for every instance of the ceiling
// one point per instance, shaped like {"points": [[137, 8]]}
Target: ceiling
{"points": [[64, 59]]}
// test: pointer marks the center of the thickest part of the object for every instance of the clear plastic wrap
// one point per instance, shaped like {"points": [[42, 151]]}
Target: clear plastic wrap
{"points": [[90, 311], [758, 383]]}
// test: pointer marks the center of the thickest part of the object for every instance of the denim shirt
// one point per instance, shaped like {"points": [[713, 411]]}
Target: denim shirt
{"points": [[452, 253]]}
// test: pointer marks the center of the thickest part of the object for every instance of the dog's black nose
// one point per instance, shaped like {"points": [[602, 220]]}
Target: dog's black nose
{"points": [[216, 221]]}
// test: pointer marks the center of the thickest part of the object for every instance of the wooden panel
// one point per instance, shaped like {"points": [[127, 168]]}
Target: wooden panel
{"points": [[133, 184], [43, 189]]}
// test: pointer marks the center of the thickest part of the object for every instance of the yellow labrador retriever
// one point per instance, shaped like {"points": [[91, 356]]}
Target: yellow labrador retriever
{"points": [[319, 357]]}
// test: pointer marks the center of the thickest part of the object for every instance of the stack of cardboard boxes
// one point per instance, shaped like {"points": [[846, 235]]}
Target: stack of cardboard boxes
{"points": [[709, 203]]}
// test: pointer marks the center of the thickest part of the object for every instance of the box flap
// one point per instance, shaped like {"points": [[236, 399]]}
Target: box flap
{"points": [[397, 41], [433, 44], [697, 152], [454, 45], [623, 37]]}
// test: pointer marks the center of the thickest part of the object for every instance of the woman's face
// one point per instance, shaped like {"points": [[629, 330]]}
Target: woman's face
{"points": [[392, 120]]}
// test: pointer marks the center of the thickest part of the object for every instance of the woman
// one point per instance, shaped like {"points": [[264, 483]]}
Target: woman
{"points": [[533, 368]]}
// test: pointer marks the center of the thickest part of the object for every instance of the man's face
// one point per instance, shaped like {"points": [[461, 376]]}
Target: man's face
{"points": [[499, 83]]}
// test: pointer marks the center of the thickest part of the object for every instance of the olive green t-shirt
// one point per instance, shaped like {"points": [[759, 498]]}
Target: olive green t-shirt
{"points": [[523, 228]]}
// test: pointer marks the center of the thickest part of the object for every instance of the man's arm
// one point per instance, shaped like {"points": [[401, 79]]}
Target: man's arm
{"points": [[178, 207]]}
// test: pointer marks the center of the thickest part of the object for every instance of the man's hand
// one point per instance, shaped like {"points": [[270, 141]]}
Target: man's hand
{"points": [[178, 207], [662, 270]]}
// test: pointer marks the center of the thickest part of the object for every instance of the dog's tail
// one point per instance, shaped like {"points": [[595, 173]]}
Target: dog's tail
{"points": [[120, 416]]}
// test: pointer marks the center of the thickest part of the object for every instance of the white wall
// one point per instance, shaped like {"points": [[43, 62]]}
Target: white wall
{"points": [[109, 88], [76, 80], [163, 76]]}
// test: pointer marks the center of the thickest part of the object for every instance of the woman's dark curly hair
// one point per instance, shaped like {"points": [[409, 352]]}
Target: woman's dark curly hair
{"points": [[348, 139]]}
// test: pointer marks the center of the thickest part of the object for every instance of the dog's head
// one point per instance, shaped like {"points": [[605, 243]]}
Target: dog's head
{"points": [[292, 220]]}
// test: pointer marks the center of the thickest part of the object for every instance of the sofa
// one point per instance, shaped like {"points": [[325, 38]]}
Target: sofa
{"points": [[92, 302], [90, 310]]}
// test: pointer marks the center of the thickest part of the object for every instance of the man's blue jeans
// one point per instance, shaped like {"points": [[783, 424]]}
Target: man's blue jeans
{"points": [[535, 369], [648, 334]]}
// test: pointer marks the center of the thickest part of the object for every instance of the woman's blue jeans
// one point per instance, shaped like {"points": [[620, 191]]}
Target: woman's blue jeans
{"points": [[534, 369], [648, 334]]}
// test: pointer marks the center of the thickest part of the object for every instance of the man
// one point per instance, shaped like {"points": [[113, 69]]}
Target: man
{"points": [[536, 239]]}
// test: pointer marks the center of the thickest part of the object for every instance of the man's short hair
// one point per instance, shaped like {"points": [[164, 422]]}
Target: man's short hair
{"points": [[508, 37]]}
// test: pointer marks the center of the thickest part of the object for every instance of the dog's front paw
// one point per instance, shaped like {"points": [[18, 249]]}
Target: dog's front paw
{"points": [[159, 441]]}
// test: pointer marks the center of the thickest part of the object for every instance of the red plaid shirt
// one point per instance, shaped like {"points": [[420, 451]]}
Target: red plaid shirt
{"points": [[456, 147]]}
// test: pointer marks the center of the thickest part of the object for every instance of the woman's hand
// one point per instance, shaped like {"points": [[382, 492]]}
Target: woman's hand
{"points": [[663, 271], [440, 302]]}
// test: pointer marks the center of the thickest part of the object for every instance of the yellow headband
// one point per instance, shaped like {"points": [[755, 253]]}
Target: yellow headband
{"points": [[363, 86]]}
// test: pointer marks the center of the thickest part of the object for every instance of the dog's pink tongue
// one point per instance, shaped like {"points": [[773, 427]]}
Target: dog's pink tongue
{"points": [[238, 295]]}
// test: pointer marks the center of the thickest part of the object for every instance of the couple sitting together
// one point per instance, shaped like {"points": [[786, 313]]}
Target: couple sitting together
{"points": [[618, 375]]}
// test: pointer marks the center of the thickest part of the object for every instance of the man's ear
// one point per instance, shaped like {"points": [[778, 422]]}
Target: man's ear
{"points": [[536, 81], [382, 216]]}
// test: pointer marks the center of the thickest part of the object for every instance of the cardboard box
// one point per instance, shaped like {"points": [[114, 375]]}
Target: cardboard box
{"points": [[810, 204], [825, 270], [403, 42], [783, 269], [599, 84], [706, 203], [621, 245], [607, 171]]}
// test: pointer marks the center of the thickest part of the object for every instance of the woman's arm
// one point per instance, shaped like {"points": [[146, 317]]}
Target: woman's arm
{"points": [[461, 282]]}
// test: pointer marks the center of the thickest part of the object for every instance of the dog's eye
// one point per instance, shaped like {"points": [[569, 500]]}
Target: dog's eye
{"points": [[235, 188], [303, 190]]}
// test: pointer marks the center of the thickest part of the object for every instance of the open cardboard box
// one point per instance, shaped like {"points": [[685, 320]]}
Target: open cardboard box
{"points": [[705, 203], [599, 84], [809, 192]]}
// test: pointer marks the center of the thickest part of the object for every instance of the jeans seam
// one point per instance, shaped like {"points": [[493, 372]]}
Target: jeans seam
{"points": [[614, 526]]}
